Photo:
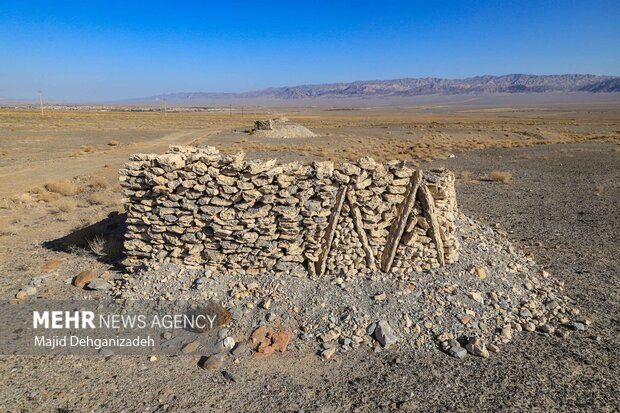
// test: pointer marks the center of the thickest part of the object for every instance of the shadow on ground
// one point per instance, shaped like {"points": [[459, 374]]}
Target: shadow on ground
{"points": [[103, 239]]}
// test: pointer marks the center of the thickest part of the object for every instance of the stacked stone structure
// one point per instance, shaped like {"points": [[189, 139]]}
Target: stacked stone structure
{"points": [[199, 208]]}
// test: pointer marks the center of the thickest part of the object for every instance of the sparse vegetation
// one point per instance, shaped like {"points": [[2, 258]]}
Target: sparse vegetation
{"points": [[66, 188], [99, 182], [464, 176], [49, 196], [87, 149], [65, 205], [98, 198], [500, 176], [113, 143], [97, 245]]}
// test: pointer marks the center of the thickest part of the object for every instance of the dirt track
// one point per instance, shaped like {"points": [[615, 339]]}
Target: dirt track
{"points": [[551, 208]]}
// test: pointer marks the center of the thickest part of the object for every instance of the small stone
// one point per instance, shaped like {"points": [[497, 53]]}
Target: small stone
{"points": [[577, 326], [482, 273], [51, 265], [214, 362], [153, 359], [191, 347], [458, 352], [384, 334], [476, 296], [98, 284], [106, 352], [546, 328], [466, 319], [270, 317], [83, 278], [280, 340], [477, 347], [21, 295], [492, 348], [229, 343], [380, 297], [229, 376], [327, 354]]}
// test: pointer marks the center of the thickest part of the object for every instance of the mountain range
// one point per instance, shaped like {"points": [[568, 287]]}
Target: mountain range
{"points": [[515, 83]]}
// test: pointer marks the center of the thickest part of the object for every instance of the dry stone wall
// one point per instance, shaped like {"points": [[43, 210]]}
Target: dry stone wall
{"points": [[199, 208]]}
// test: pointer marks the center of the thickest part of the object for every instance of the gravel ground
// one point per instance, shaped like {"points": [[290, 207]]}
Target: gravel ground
{"points": [[561, 206]]}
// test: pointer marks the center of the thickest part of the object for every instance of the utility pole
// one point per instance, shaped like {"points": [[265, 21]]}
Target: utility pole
{"points": [[41, 102], [230, 110]]}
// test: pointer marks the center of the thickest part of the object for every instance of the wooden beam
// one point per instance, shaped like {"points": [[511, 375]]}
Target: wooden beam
{"points": [[428, 208], [398, 226], [328, 238], [361, 233]]}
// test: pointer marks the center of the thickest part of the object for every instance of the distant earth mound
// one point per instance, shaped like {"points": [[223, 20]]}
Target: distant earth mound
{"points": [[280, 128]]}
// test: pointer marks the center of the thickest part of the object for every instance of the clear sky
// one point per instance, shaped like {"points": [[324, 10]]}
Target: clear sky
{"points": [[105, 50]]}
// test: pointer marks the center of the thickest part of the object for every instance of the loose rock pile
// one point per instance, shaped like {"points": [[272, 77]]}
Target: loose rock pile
{"points": [[195, 207]]}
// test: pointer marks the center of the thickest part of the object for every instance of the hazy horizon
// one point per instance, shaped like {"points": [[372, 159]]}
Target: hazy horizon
{"points": [[114, 51]]}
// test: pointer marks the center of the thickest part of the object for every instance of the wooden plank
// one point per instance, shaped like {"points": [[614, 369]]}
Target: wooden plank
{"points": [[398, 226], [361, 233], [428, 208], [330, 231]]}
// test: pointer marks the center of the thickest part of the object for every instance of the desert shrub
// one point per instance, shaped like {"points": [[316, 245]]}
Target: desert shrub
{"points": [[97, 245], [99, 182], [66, 188], [65, 205], [48, 196], [21, 198], [38, 190], [500, 176], [113, 143], [87, 149], [98, 198]]}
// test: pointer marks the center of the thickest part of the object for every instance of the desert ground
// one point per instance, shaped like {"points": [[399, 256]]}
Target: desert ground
{"points": [[548, 174]]}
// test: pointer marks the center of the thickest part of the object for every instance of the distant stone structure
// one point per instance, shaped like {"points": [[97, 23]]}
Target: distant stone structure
{"points": [[263, 124], [199, 208]]}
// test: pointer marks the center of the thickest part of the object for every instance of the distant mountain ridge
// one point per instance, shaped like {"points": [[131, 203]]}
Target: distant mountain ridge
{"points": [[515, 83]]}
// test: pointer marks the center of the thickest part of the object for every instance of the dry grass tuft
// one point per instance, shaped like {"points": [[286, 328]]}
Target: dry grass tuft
{"points": [[65, 205], [99, 182], [66, 188], [500, 176], [98, 198], [464, 176], [21, 198], [49, 197], [87, 149], [113, 143], [97, 245]]}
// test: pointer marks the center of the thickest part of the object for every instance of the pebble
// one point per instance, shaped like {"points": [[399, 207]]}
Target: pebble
{"points": [[21, 295], [83, 278], [98, 285], [458, 352], [492, 348], [106, 352], [327, 354], [477, 347], [229, 343], [214, 362], [384, 334]]}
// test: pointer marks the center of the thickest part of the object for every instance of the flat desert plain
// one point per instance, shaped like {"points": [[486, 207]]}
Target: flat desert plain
{"points": [[548, 174]]}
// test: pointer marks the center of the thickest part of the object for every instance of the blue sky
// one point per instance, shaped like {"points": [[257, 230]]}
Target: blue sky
{"points": [[92, 50]]}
